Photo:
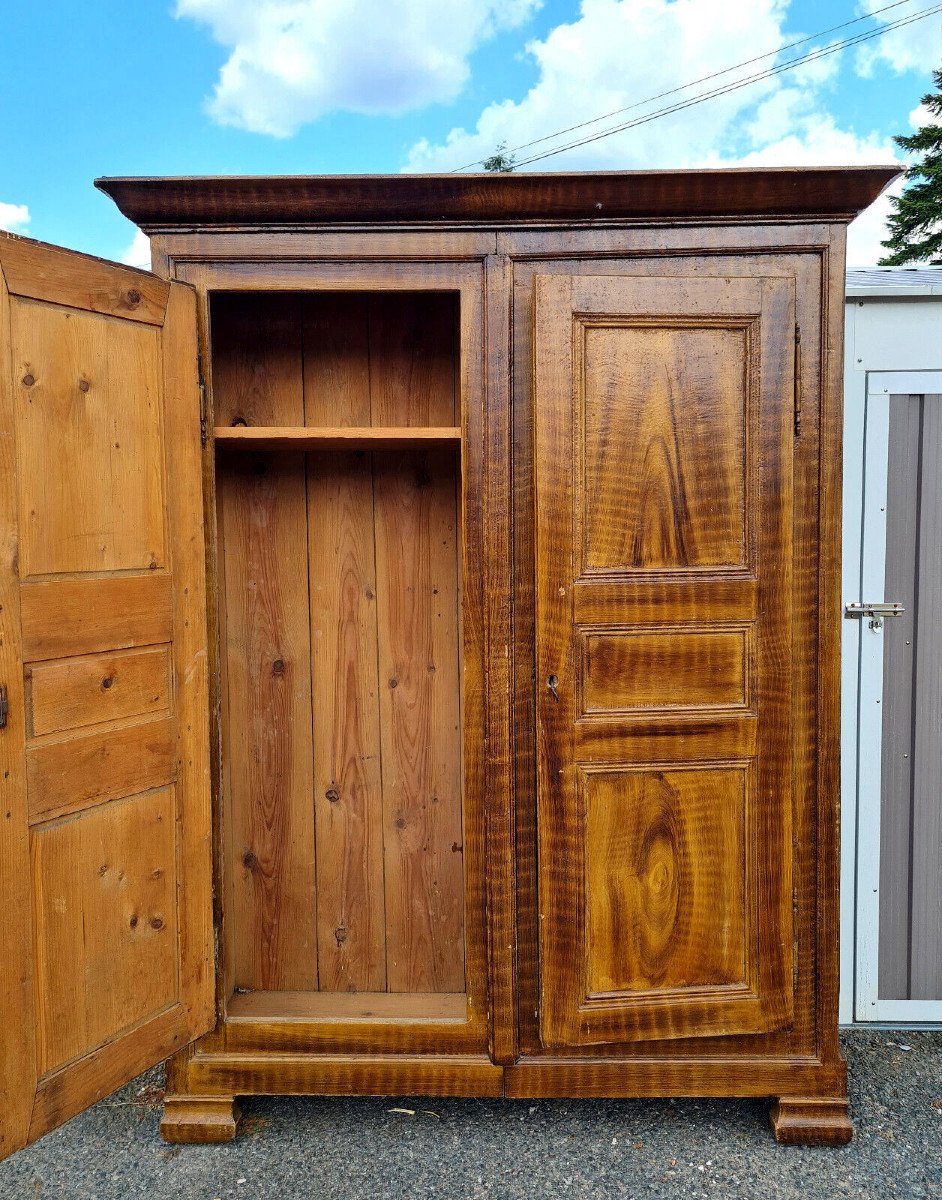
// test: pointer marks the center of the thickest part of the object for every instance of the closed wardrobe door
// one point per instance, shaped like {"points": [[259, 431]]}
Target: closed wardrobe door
{"points": [[664, 416]]}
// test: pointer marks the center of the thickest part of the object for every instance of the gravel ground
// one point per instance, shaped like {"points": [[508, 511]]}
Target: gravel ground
{"points": [[460, 1149]]}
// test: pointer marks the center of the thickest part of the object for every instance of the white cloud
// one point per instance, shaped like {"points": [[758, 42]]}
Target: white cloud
{"points": [[915, 47], [292, 61], [619, 50], [614, 53], [138, 253], [14, 218]]}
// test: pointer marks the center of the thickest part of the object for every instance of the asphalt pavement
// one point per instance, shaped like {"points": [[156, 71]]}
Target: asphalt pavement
{"points": [[509, 1149]]}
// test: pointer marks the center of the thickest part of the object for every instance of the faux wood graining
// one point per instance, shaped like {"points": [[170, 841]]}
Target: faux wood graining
{"points": [[673, 424], [356, 878], [707, 252], [723, 701], [487, 199]]}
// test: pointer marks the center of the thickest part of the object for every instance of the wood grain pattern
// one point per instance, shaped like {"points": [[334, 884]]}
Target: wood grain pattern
{"points": [[496, 199], [301, 1074], [105, 902], [69, 693], [349, 1006], [256, 361], [75, 772], [781, 1062], [335, 438], [62, 1094], [267, 746], [420, 723], [348, 782], [98, 413], [87, 396], [666, 893], [268, 751], [51, 274], [812, 1121], [202, 1119], [652, 498], [82, 616], [388, 811], [185, 520], [764, 250], [677, 669], [632, 875], [18, 1073]]}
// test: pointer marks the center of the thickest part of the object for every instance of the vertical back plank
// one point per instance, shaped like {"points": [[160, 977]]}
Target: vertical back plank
{"points": [[347, 769], [266, 645], [412, 349], [413, 382], [416, 581]]}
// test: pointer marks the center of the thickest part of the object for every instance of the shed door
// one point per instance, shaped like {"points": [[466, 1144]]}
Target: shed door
{"points": [[664, 425], [894, 704], [105, 888]]}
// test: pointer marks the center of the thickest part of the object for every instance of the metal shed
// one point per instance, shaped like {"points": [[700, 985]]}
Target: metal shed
{"points": [[891, 857]]}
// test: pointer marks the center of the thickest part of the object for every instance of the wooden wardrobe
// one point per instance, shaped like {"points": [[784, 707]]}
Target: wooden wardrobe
{"points": [[419, 632]]}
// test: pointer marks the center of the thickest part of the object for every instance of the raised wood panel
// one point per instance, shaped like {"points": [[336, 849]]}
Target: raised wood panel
{"points": [[72, 773], [81, 616], [420, 721], [676, 669], [87, 397], [667, 878], [104, 886], [666, 489], [69, 693]]}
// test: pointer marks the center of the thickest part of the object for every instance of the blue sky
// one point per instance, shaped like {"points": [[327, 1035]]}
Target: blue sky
{"points": [[157, 87]]}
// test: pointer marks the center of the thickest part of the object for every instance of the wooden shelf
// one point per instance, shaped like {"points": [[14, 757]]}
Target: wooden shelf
{"points": [[395, 1007], [364, 437]]}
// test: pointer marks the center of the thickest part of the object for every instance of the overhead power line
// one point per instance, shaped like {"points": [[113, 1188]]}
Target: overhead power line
{"points": [[679, 106]]}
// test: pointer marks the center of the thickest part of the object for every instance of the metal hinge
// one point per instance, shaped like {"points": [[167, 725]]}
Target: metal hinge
{"points": [[4, 706], [204, 431], [797, 380]]}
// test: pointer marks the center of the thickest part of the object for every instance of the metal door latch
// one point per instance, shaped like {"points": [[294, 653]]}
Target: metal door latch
{"points": [[876, 612], [4, 706]]}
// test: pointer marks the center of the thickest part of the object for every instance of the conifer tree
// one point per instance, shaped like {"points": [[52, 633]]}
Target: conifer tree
{"points": [[915, 225]]}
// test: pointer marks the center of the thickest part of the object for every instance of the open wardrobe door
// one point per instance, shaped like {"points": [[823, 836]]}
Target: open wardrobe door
{"points": [[106, 939]]}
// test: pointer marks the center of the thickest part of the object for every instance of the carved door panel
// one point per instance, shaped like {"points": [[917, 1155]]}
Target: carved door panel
{"points": [[664, 416]]}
